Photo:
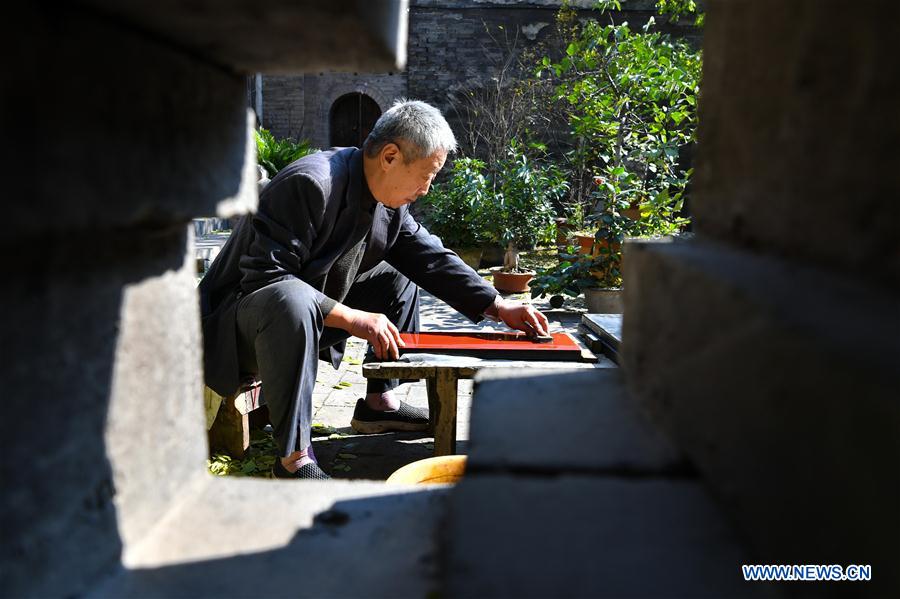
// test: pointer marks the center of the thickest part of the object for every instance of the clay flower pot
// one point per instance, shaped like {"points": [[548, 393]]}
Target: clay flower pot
{"points": [[590, 246], [632, 213], [614, 246], [513, 282], [585, 243], [563, 228]]}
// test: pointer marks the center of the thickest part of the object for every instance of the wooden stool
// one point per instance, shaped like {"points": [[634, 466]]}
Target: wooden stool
{"points": [[229, 425]]}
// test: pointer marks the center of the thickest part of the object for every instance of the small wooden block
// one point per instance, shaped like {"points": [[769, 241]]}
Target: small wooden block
{"points": [[230, 432]]}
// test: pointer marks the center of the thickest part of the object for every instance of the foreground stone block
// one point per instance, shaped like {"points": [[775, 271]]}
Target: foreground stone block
{"points": [[798, 152], [589, 537], [128, 122], [563, 422], [780, 383], [106, 377]]}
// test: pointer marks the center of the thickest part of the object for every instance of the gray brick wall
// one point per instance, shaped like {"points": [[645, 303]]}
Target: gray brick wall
{"points": [[284, 105], [455, 49], [300, 106]]}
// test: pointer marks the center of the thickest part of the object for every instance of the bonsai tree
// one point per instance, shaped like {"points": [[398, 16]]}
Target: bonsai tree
{"points": [[454, 209], [521, 213]]}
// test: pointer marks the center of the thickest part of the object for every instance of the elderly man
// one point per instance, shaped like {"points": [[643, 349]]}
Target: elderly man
{"points": [[332, 252]]}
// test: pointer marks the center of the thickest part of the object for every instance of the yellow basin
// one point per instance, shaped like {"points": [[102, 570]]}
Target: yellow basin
{"points": [[430, 471]]}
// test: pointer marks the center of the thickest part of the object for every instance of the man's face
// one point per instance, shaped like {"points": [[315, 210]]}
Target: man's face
{"points": [[404, 182]]}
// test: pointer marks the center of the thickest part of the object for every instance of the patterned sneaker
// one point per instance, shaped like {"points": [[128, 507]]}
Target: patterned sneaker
{"points": [[405, 418], [309, 471]]}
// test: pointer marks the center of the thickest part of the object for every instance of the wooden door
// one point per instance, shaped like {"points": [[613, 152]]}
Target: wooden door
{"points": [[352, 118]]}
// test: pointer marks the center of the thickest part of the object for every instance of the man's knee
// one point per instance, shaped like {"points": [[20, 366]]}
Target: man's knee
{"points": [[291, 303], [403, 288]]}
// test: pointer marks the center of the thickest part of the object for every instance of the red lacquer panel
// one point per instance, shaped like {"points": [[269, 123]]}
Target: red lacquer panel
{"points": [[516, 344]]}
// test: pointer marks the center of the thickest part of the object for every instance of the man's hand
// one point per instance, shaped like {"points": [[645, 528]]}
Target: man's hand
{"points": [[380, 332], [375, 328], [522, 317]]}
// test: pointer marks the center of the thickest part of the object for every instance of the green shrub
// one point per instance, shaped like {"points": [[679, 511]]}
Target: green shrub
{"points": [[521, 214], [455, 208], [630, 97], [275, 154], [510, 204]]}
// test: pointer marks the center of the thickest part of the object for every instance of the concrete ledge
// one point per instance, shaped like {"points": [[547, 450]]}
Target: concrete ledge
{"points": [[264, 538], [589, 537], [564, 422], [273, 36]]}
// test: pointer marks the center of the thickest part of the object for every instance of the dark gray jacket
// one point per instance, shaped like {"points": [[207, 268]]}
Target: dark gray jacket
{"points": [[305, 222]]}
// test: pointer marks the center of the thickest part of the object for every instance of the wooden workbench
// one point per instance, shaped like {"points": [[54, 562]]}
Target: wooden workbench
{"points": [[442, 374]]}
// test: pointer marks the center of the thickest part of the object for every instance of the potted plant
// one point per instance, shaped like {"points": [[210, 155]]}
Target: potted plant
{"points": [[596, 269], [604, 295], [597, 277], [585, 242], [569, 225], [454, 210], [521, 213]]}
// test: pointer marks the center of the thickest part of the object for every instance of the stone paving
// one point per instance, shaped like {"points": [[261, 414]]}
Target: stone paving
{"points": [[345, 454]]}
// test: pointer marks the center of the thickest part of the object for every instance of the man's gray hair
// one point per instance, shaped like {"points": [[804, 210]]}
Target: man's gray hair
{"points": [[418, 128]]}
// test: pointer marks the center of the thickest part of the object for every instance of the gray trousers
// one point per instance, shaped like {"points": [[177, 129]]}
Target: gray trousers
{"points": [[281, 332]]}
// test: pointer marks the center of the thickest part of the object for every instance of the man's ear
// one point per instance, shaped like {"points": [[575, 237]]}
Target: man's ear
{"points": [[391, 156]]}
